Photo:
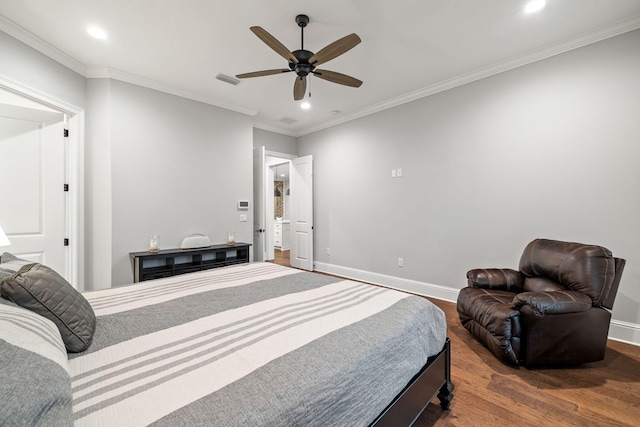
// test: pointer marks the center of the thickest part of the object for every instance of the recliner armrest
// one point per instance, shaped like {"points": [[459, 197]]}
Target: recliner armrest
{"points": [[554, 302], [503, 279]]}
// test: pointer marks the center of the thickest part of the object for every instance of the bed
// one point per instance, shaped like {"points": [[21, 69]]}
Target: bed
{"points": [[258, 344]]}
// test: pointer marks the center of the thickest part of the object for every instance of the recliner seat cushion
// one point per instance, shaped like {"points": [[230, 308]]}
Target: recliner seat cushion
{"points": [[490, 316], [589, 269]]}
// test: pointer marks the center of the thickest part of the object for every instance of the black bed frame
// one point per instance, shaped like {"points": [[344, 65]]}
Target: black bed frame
{"points": [[434, 379]]}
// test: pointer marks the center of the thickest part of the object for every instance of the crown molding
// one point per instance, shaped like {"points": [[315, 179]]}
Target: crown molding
{"points": [[31, 40], [110, 73], [620, 27], [274, 129]]}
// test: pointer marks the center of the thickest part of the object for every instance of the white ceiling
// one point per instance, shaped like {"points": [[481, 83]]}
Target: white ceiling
{"points": [[409, 49]]}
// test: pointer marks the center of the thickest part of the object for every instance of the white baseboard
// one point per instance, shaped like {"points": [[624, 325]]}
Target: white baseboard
{"points": [[625, 332], [413, 286], [618, 331]]}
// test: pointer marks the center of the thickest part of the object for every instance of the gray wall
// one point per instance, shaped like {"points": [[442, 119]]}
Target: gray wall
{"points": [[546, 150], [178, 167], [275, 141], [98, 220]]}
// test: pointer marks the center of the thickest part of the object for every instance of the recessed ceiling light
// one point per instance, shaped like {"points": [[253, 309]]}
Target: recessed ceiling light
{"points": [[535, 6], [305, 105], [97, 33]]}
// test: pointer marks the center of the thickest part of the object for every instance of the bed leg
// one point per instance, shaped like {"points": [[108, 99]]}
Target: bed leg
{"points": [[445, 395]]}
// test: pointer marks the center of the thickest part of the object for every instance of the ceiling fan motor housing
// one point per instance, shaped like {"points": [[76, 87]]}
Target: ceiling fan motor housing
{"points": [[302, 68]]}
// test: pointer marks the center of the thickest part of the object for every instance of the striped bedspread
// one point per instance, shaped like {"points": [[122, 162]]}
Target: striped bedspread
{"points": [[249, 345]]}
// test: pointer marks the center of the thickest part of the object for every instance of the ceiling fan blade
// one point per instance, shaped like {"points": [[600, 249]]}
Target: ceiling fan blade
{"points": [[299, 87], [335, 49], [262, 73], [339, 78], [274, 44]]}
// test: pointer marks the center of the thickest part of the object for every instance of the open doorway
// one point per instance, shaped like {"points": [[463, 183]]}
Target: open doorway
{"points": [[278, 207], [300, 191]]}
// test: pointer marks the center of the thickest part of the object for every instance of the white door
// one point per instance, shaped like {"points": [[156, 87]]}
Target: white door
{"points": [[301, 182], [269, 207], [258, 204], [32, 173]]}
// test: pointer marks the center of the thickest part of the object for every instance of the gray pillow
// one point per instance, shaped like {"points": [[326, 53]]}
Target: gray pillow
{"points": [[9, 264], [40, 289], [35, 385]]}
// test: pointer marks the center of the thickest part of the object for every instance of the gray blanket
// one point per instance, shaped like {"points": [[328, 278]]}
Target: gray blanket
{"points": [[255, 344]]}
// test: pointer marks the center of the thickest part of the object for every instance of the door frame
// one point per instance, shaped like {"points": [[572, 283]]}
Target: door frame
{"points": [[74, 156], [269, 188], [269, 203], [258, 249]]}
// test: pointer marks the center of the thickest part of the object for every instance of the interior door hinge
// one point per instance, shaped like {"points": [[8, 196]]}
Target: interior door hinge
{"points": [[66, 133], [66, 187], [66, 242]]}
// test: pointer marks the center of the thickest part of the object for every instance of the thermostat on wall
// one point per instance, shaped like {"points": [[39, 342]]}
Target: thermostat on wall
{"points": [[243, 204]]}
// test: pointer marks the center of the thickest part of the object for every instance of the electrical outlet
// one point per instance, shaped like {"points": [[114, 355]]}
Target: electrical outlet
{"points": [[328, 251], [243, 218], [393, 173], [400, 262], [399, 172]]}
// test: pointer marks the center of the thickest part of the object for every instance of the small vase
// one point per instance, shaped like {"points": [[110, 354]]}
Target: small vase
{"points": [[231, 238], [154, 243]]}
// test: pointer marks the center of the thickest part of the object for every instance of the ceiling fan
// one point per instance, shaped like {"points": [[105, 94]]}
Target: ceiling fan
{"points": [[304, 62]]}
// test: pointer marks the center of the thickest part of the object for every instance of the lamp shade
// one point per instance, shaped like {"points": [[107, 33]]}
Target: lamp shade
{"points": [[4, 240]]}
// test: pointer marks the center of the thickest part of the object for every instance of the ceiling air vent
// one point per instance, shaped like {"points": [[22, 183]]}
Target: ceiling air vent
{"points": [[227, 79], [287, 120]]}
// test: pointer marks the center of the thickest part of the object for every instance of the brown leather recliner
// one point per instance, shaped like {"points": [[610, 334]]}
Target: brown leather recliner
{"points": [[553, 311]]}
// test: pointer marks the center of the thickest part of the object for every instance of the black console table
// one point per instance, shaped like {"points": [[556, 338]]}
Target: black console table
{"points": [[149, 265]]}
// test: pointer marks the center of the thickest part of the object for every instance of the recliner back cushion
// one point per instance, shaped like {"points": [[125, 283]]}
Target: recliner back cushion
{"points": [[589, 269]]}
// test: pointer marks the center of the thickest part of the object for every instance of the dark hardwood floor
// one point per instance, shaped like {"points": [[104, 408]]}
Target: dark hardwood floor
{"points": [[490, 393], [282, 258]]}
